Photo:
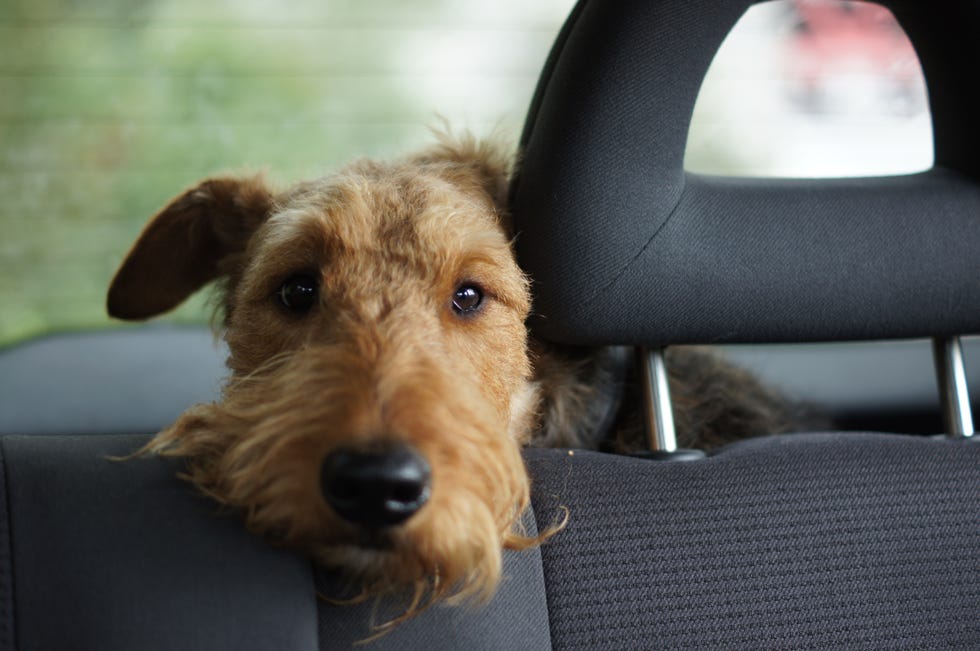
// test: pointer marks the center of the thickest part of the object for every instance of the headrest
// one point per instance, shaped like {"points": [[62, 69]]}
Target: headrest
{"points": [[625, 247]]}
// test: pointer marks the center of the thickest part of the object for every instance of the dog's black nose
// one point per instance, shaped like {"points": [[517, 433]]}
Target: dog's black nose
{"points": [[378, 487]]}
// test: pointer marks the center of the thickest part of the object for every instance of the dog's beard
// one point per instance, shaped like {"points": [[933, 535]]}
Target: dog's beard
{"points": [[259, 452]]}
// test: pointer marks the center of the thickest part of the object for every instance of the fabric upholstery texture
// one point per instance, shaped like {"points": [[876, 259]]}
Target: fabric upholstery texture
{"points": [[824, 541], [109, 555], [862, 541], [121, 555]]}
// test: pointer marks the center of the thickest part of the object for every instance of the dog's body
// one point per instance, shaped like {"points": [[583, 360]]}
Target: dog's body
{"points": [[591, 398], [382, 382]]}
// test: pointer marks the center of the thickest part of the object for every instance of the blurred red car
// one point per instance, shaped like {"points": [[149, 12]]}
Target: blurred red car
{"points": [[837, 45]]}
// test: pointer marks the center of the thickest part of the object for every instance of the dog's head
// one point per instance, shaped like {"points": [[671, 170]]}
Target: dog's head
{"points": [[380, 386]]}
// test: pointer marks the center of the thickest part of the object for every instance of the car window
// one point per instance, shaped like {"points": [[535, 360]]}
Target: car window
{"points": [[813, 88], [109, 108]]}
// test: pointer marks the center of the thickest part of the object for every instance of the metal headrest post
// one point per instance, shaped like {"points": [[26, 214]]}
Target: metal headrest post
{"points": [[658, 412], [953, 391]]}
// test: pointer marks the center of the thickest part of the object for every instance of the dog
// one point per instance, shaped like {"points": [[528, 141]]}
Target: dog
{"points": [[383, 382]]}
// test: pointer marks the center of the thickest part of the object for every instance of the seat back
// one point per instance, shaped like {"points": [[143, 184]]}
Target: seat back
{"points": [[102, 554], [822, 541]]}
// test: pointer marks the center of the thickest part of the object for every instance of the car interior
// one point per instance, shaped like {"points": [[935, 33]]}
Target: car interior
{"points": [[860, 294]]}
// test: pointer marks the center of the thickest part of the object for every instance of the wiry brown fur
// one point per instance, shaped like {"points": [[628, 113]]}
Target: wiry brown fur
{"points": [[380, 357]]}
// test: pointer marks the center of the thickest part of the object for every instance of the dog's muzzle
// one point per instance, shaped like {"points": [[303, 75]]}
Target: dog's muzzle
{"points": [[376, 488]]}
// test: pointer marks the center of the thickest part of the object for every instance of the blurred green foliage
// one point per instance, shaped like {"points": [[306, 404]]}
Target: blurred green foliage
{"points": [[110, 107]]}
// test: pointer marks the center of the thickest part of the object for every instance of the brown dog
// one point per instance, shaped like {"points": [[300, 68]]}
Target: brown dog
{"points": [[382, 384]]}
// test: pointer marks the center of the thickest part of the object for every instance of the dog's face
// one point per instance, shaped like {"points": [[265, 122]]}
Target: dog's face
{"points": [[380, 384]]}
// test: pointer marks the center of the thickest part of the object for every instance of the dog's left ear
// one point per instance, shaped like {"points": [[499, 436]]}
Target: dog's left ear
{"points": [[184, 245], [466, 159]]}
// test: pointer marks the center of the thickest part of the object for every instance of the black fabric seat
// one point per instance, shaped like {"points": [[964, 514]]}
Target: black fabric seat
{"points": [[809, 541], [107, 555], [819, 541], [866, 541]]}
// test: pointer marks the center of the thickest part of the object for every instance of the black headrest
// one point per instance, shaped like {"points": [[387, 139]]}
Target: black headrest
{"points": [[626, 247]]}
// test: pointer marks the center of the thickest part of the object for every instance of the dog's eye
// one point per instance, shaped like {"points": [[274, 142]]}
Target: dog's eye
{"points": [[298, 293], [467, 299]]}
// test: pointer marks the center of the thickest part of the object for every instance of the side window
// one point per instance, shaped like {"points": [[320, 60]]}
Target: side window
{"points": [[813, 88], [108, 108]]}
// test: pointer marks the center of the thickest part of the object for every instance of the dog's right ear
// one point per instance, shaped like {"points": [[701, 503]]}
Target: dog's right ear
{"points": [[182, 247]]}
